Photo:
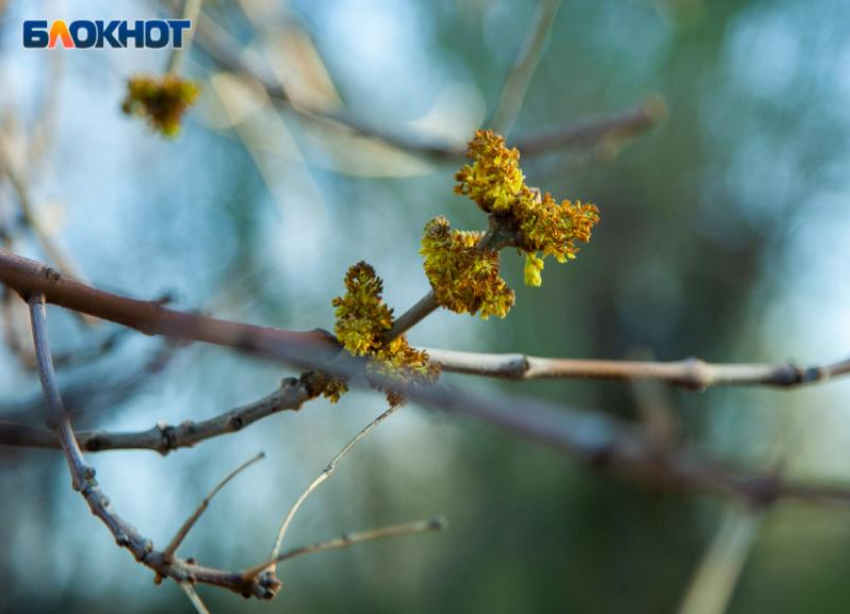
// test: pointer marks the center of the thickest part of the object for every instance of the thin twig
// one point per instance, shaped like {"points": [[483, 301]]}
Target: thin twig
{"points": [[83, 480], [193, 596], [325, 475], [691, 373], [191, 11], [352, 539], [422, 309], [524, 66], [226, 51], [165, 438], [713, 583], [54, 251], [202, 507]]}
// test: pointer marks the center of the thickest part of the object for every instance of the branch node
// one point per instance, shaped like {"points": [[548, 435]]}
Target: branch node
{"points": [[51, 274]]}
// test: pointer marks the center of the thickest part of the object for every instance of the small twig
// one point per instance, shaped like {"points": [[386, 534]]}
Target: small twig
{"points": [[352, 539], [57, 254], [714, 581], [165, 438], [191, 11], [590, 132], [523, 68], [227, 53], [691, 373], [496, 238], [83, 480], [422, 309], [193, 596], [325, 475], [190, 522]]}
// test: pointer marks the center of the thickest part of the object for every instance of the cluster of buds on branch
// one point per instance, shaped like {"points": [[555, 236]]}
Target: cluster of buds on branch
{"points": [[161, 100], [462, 266]]}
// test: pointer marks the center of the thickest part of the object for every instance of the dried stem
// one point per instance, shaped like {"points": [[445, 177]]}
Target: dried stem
{"points": [[190, 522], [691, 373], [325, 475]]}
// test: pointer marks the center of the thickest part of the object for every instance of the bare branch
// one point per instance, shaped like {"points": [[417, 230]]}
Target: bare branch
{"points": [[191, 10], [691, 373], [54, 251], [83, 479], [190, 522], [164, 438], [526, 62], [591, 437], [193, 596], [227, 52], [713, 583], [352, 539], [325, 475], [28, 277]]}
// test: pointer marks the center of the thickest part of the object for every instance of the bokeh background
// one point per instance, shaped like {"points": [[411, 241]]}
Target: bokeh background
{"points": [[724, 235]]}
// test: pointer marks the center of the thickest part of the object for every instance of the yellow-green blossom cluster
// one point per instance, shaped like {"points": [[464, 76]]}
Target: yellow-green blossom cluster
{"points": [[464, 276], [161, 100], [494, 179], [362, 323]]}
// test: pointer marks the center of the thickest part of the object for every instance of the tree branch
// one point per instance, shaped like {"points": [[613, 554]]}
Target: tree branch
{"points": [[28, 277], [227, 53], [691, 373], [164, 438], [83, 480], [588, 436]]}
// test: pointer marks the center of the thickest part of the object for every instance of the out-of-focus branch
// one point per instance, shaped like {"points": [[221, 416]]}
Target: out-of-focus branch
{"points": [[592, 131], [519, 77], [691, 373], [713, 583], [58, 255], [227, 52], [191, 10]]}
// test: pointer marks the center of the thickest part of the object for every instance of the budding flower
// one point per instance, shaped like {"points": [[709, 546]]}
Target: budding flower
{"points": [[362, 323], [464, 275], [162, 100]]}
